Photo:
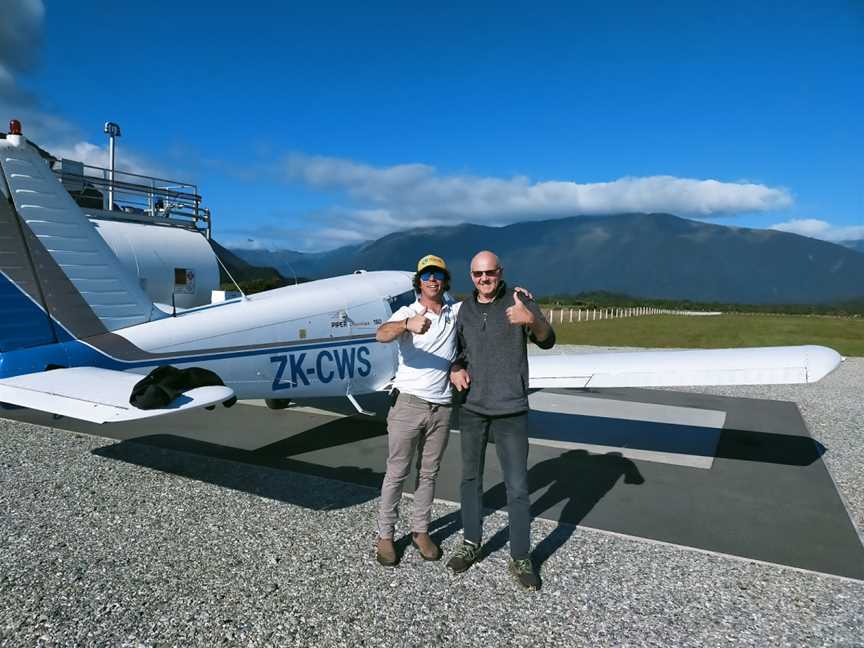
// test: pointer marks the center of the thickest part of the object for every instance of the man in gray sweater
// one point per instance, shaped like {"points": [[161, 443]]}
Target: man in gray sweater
{"points": [[491, 377]]}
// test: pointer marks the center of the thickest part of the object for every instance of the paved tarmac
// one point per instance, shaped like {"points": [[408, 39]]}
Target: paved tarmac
{"points": [[253, 527], [732, 475]]}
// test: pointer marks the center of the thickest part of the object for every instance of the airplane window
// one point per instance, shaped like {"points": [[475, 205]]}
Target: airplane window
{"points": [[403, 299]]}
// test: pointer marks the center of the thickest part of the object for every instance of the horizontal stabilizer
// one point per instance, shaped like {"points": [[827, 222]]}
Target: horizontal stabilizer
{"points": [[96, 395], [693, 367]]}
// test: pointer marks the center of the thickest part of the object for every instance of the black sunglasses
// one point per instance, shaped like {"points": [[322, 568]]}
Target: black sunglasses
{"points": [[490, 273]]}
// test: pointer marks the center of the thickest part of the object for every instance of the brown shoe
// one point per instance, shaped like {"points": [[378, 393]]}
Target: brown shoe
{"points": [[385, 552], [428, 549]]}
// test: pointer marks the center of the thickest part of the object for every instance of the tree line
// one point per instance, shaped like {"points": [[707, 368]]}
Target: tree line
{"points": [[602, 299]]}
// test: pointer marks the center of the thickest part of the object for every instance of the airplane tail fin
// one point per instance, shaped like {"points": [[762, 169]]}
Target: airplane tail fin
{"points": [[25, 322], [53, 263]]}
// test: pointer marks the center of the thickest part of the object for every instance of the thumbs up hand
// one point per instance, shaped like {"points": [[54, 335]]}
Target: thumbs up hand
{"points": [[418, 324], [518, 314]]}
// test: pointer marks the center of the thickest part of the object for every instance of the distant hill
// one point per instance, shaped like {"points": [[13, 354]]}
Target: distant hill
{"points": [[290, 263], [242, 270], [646, 255], [857, 245]]}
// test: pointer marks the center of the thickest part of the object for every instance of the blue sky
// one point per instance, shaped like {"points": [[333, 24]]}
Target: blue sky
{"points": [[307, 127]]}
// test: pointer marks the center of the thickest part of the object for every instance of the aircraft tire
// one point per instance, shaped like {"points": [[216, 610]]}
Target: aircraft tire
{"points": [[277, 403]]}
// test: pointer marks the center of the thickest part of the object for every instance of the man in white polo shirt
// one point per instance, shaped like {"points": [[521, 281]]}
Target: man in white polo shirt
{"points": [[419, 419]]}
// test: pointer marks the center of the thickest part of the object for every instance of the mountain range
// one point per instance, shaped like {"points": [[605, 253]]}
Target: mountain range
{"points": [[643, 255], [242, 270], [857, 245]]}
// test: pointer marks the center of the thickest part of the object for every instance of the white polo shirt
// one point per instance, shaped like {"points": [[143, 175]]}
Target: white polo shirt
{"points": [[424, 360]]}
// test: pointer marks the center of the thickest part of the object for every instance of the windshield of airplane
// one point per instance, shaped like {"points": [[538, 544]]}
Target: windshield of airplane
{"points": [[403, 299]]}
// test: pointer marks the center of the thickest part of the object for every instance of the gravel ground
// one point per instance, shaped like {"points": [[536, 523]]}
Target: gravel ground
{"points": [[97, 551]]}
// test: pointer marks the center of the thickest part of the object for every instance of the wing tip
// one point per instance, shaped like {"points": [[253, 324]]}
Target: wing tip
{"points": [[821, 361]]}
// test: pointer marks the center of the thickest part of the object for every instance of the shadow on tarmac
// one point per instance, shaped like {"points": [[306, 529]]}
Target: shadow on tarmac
{"points": [[566, 488], [324, 437], [766, 447], [237, 469], [744, 445], [576, 479]]}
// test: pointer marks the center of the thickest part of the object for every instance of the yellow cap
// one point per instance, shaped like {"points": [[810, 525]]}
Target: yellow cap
{"points": [[431, 260]]}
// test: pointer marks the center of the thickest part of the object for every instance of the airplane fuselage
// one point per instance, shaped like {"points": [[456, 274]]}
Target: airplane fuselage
{"points": [[307, 341]]}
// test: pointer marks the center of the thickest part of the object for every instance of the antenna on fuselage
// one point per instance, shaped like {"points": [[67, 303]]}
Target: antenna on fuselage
{"points": [[236, 285], [293, 272]]}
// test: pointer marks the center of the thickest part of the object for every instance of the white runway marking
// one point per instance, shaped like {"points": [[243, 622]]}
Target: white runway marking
{"points": [[627, 440], [625, 410], [700, 456]]}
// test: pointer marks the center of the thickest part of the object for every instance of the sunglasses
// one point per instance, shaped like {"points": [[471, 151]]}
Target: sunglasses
{"points": [[429, 275], [489, 273]]}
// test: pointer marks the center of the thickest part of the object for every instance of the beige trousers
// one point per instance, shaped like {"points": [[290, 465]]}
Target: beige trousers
{"points": [[414, 426]]}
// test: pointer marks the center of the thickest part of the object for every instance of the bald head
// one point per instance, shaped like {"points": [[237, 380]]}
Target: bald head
{"points": [[484, 260]]}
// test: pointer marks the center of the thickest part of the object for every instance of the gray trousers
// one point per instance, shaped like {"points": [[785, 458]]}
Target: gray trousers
{"points": [[413, 426]]}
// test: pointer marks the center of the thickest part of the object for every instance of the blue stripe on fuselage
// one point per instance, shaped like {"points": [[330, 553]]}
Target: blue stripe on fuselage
{"points": [[77, 353]]}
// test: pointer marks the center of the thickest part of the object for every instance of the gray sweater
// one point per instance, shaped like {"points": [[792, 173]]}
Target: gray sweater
{"points": [[494, 352]]}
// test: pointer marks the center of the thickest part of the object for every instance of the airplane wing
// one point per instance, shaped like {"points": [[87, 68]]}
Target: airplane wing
{"points": [[96, 395], [692, 367]]}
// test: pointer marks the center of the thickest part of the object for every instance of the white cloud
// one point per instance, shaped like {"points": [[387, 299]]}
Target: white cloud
{"points": [[98, 156], [6, 78], [821, 229], [20, 42], [804, 226], [385, 199], [20, 33], [418, 190]]}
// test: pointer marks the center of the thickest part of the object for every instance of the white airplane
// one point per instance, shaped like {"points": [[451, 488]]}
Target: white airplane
{"points": [[77, 330]]}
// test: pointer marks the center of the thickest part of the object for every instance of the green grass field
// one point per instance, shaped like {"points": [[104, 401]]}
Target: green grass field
{"points": [[845, 335]]}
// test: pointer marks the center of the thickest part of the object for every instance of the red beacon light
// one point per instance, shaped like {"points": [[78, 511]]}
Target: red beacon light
{"points": [[14, 127]]}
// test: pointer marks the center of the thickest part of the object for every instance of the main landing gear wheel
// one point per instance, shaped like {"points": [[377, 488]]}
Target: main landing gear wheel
{"points": [[277, 403]]}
